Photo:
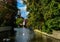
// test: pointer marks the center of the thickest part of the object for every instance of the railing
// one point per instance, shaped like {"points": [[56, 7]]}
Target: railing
{"points": [[5, 28]]}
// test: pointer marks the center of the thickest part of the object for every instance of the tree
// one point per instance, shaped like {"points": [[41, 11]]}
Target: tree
{"points": [[44, 13], [19, 21], [4, 11], [35, 13]]}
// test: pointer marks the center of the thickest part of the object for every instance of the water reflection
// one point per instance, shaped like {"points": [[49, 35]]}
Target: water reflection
{"points": [[29, 36], [26, 35], [23, 35]]}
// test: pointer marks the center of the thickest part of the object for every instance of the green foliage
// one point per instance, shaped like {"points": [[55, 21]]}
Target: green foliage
{"points": [[44, 13], [4, 11], [19, 20]]}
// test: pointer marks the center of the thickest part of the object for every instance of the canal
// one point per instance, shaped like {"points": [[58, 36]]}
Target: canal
{"points": [[23, 35], [27, 35]]}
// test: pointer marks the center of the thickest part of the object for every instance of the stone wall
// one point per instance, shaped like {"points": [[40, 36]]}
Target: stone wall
{"points": [[55, 37], [56, 34]]}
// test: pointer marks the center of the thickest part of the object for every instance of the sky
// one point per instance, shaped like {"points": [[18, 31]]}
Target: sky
{"points": [[22, 7]]}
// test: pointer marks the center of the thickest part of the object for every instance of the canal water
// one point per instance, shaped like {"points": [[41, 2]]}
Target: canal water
{"points": [[23, 35], [27, 35]]}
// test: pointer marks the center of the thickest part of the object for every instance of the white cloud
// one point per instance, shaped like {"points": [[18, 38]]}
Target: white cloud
{"points": [[24, 13], [20, 1], [27, 13], [23, 8]]}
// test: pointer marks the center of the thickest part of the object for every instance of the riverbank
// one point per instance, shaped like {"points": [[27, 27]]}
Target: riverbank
{"points": [[56, 34]]}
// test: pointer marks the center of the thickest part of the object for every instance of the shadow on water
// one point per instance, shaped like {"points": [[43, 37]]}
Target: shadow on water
{"points": [[26, 35]]}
